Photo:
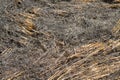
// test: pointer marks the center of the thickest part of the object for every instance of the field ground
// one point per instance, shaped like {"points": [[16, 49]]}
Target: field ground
{"points": [[59, 39]]}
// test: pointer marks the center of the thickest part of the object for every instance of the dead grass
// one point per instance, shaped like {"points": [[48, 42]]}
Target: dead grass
{"points": [[84, 0], [60, 12], [95, 71], [15, 75], [91, 61], [114, 6], [116, 29]]}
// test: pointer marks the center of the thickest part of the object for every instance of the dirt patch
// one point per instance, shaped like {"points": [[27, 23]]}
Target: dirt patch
{"points": [[59, 39]]}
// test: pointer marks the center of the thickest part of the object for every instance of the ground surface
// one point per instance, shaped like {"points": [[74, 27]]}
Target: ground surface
{"points": [[59, 40]]}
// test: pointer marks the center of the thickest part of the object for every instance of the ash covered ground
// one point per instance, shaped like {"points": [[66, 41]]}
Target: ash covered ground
{"points": [[59, 39]]}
